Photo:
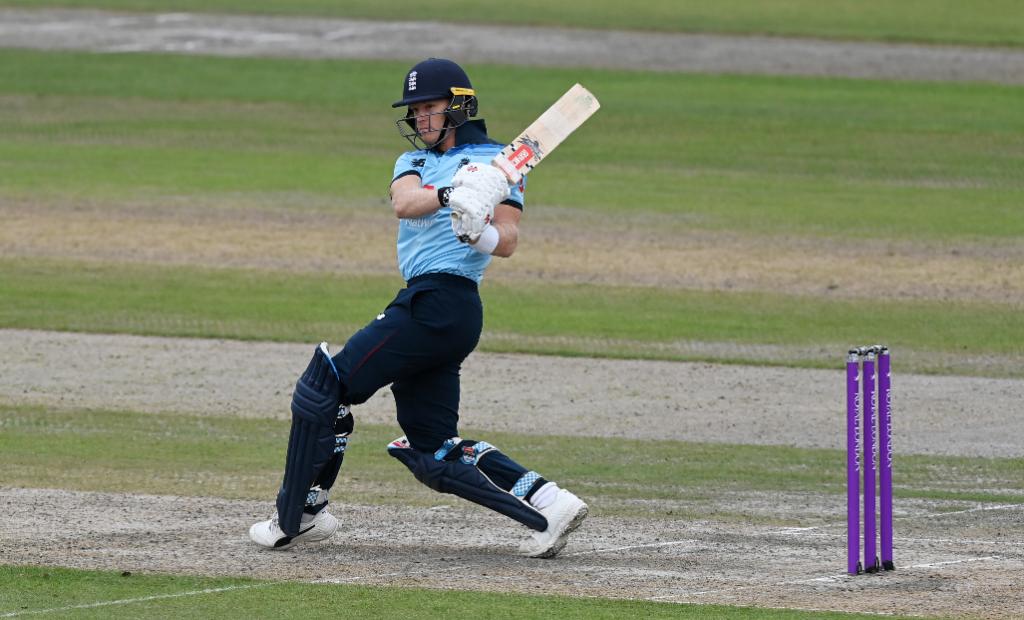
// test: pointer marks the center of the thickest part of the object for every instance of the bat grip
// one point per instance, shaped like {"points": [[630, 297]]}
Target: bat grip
{"points": [[502, 163]]}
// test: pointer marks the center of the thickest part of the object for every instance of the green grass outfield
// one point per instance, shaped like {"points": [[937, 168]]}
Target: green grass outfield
{"points": [[65, 593], [783, 155], [981, 22]]}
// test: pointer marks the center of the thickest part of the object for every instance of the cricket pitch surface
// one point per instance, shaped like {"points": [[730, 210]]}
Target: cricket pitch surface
{"points": [[953, 558]]}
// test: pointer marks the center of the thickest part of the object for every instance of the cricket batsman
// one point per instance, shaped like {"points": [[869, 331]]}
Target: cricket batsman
{"points": [[455, 212]]}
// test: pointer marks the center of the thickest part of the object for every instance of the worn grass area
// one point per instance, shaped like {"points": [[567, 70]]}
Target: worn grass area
{"points": [[242, 458], [312, 234], [521, 317], [108, 594], [983, 22]]}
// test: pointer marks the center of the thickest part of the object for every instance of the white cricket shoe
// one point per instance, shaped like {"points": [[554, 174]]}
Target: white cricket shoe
{"points": [[269, 535], [564, 515]]}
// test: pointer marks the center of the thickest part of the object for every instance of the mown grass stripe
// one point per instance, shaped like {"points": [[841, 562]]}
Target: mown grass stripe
{"points": [[241, 458], [608, 321], [810, 155]]}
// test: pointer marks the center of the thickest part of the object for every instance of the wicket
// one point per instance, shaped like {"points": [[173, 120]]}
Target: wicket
{"points": [[876, 431]]}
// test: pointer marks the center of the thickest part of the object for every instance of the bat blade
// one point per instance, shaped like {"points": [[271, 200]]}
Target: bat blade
{"points": [[549, 130]]}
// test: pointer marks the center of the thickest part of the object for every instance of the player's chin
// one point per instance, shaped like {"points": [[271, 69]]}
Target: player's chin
{"points": [[430, 137]]}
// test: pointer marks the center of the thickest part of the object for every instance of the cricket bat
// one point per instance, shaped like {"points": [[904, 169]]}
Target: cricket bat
{"points": [[544, 134]]}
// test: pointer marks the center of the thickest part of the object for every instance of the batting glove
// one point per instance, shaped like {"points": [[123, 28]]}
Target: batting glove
{"points": [[471, 213], [489, 182]]}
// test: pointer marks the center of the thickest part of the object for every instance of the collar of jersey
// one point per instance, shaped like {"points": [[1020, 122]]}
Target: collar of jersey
{"points": [[471, 132]]}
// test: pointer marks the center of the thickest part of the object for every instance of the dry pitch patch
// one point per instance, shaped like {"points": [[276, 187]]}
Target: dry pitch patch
{"points": [[308, 234], [962, 563]]}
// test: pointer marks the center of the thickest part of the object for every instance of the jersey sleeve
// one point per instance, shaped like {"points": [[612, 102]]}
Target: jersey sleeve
{"points": [[410, 162], [516, 195]]}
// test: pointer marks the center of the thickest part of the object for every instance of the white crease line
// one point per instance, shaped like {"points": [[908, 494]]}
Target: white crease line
{"points": [[341, 580], [828, 578], [937, 564], [965, 541], [611, 549], [157, 597], [170, 18], [960, 512], [752, 587], [804, 530], [905, 539], [142, 599], [797, 530]]}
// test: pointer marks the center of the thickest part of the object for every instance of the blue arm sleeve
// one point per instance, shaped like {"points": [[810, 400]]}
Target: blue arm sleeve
{"points": [[410, 162]]}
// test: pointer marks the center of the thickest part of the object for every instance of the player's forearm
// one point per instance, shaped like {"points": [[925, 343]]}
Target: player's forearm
{"points": [[508, 239], [413, 203]]}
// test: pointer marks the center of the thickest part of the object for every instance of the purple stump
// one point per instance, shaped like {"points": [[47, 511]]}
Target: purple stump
{"points": [[885, 454], [870, 464], [853, 565]]}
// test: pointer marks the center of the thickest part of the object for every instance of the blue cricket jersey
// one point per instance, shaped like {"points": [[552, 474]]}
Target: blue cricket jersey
{"points": [[427, 244]]}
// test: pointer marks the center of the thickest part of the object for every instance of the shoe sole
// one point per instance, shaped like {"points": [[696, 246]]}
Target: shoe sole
{"points": [[563, 538]]}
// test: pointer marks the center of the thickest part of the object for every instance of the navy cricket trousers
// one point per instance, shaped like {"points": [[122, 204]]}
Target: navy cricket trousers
{"points": [[417, 345]]}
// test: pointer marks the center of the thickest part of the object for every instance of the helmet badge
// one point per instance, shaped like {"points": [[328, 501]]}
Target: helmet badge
{"points": [[412, 81]]}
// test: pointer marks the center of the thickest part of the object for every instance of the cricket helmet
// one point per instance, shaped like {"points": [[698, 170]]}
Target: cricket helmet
{"points": [[439, 78]]}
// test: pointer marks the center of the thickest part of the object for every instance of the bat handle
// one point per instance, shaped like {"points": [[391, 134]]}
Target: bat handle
{"points": [[502, 163]]}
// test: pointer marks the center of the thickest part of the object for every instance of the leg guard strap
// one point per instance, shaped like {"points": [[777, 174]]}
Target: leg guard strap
{"points": [[494, 464], [465, 480]]}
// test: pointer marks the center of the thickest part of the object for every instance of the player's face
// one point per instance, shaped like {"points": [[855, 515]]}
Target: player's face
{"points": [[429, 117]]}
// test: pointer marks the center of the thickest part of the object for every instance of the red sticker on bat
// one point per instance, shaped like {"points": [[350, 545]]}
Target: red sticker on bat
{"points": [[520, 156]]}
